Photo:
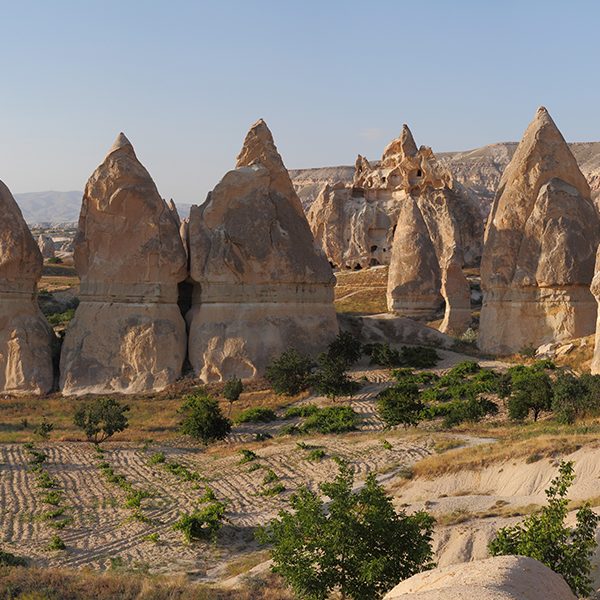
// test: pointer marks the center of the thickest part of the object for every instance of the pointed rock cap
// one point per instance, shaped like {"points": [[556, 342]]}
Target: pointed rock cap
{"points": [[259, 149], [121, 143], [404, 145]]}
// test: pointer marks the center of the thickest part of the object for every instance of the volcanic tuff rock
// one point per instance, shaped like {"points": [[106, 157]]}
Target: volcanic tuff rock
{"points": [[25, 336], [46, 246], [595, 289], [540, 245], [128, 334], [260, 284], [498, 578]]}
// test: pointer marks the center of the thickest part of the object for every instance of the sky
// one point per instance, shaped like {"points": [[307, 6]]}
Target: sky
{"points": [[185, 80]]}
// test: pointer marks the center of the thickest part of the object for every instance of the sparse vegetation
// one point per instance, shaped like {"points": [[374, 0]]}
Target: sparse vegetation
{"points": [[204, 523], [332, 419], [257, 414]]}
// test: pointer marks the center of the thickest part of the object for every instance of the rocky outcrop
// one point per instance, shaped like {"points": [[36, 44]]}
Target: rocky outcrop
{"points": [[128, 334], [47, 246], [260, 284], [540, 246], [25, 336], [498, 578], [595, 289]]}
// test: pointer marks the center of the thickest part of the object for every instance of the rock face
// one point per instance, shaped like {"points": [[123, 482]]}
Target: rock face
{"points": [[354, 221], [540, 245], [498, 578], [128, 334], [595, 289], [46, 246], [25, 336], [260, 284]]}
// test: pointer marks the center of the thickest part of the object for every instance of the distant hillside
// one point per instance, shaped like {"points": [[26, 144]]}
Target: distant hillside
{"points": [[60, 207]]}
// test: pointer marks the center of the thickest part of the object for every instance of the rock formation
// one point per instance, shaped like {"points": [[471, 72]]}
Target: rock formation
{"points": [[260, 284], [128, 334], [25, 336], [540, 245], [498, 578], [595, 289], [354, 221], [46, 246]]}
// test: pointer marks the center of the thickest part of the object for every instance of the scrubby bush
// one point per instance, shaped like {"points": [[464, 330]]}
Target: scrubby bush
{"points": [[301, 410], [62, 318], [247, 456], [383, 355], [530, 391], [44, 429], [419, 357], [545, 537], [232, 390], [203, 419], [345, 347], [400, 405], [570, 398], [101, 418], [331, 379], [332, 419], [356, 544], [257, 414], [204, 522], [8, 559], [290, 373]]}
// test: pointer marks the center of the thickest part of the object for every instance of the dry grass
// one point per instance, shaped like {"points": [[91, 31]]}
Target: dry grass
{"points": [[462, 515], [22, 583], [361, 292], [530, 442], [154, 416]]}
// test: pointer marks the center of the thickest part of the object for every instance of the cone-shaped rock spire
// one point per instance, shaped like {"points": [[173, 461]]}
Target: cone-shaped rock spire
{"points": [[261, 285], [130, 258], [540, 243], [25, 336], [404, 146]]}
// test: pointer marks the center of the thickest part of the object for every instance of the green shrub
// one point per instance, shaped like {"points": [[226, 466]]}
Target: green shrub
{"points": [[247, 456], [316, 455], [332, 419], [270, 477], [157, 458], [204, 523], [531, 391], [8, 559], [256, 414], [275, 490], [545, 537], [345, 347], [383, 355], [54, 497], [101, 418], [570, 398], [331, 379], [203, 419], [54, 260], [56, 543], [302, 410], [62, 318], [44, 429], [232, 391], [400, 405], [182, 471], [290, 373], [419, 357]]}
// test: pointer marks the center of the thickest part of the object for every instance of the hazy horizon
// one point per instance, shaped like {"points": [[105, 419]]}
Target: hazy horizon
{"points": [[185, 80]]}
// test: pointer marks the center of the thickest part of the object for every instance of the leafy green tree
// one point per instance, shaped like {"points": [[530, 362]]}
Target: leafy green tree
{"points": [[384, 355], [570, 398], [101, 418], [232, 391], [290, 373], [357, 543], [345, 347], [544, 536], [203, 418], [531, 391], [331, 379], [400, 405]]}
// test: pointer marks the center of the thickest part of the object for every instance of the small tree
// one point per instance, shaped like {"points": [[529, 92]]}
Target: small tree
{"points": [[544, 536], [357, 543], [345, 347], [101, 418], [232, 391], [203, 418], [531, 391], [44, 429], [331, 379], [290, 373], [400, 405]]}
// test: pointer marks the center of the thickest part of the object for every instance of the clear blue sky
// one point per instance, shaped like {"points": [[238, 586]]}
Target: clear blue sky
{"points": [[184, 80]]}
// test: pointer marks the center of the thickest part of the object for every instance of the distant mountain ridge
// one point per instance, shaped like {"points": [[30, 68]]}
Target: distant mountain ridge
{"points": [[60, 207]]}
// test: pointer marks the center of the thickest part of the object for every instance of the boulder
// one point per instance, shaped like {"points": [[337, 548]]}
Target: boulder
{"points": [[128, 334], [498, 578], [540, 244], [260, 285], [47, 246], [25, 336]]}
